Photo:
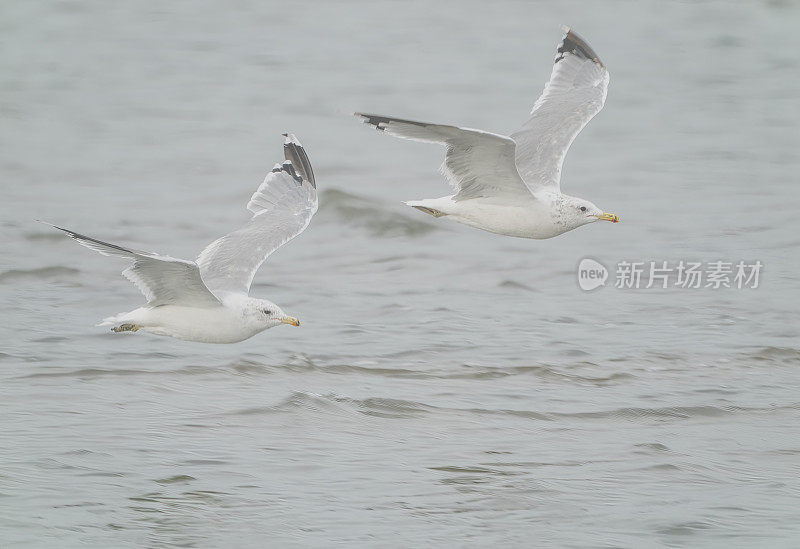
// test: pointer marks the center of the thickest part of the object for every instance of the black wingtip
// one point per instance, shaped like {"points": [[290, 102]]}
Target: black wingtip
{"points": [[374, 120], [288, 167], [574, 44], [82, 238], [380, 121], [54, 226], [297, 159]]}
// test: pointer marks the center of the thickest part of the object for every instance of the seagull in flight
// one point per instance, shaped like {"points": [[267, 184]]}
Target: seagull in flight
{"points": [[207, 300], [511, 185]]}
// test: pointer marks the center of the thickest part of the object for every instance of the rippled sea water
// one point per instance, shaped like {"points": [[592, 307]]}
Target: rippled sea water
{"points": [[448, 387]]}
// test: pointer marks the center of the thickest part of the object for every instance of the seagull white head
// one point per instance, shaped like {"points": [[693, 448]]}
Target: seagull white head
{"points": [[264, 314], [577, 212]]}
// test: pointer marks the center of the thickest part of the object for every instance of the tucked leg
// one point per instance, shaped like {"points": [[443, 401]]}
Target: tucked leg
{"points": [[431, 211], [125, 328]]}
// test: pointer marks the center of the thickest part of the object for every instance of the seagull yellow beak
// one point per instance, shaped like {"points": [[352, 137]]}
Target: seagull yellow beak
{"points": [[608, 217], [290, 320]]}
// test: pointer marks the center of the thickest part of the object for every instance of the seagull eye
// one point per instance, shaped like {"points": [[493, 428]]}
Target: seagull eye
{"points": [[267, 312], [583, 208]]}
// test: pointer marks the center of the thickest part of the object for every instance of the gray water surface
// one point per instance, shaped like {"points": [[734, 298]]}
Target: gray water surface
{"points": [[448, 387]]}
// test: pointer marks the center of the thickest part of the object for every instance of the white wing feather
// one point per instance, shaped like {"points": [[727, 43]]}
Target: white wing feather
{"points": [[575, 93], [477, 163], [162, 279], [282, 208]]}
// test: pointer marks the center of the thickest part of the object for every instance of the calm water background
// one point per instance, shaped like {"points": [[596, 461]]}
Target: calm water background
{"points": [[448, 387]]}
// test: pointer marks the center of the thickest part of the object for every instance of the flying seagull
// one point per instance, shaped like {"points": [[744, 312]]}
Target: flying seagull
{"points": [[207, 300], [511, 185]]}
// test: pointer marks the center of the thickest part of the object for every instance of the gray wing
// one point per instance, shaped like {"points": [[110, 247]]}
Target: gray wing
{"points": [[477, 163], [163, 280], [575, 93], [282, 208]]}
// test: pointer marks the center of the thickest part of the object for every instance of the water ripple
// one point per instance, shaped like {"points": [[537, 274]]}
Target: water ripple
{"points": [[42, 273]]}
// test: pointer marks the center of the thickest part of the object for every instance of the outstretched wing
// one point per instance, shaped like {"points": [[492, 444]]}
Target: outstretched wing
{"points": [[575, 93], [163, 280], [282, 208], [477, 163]]}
